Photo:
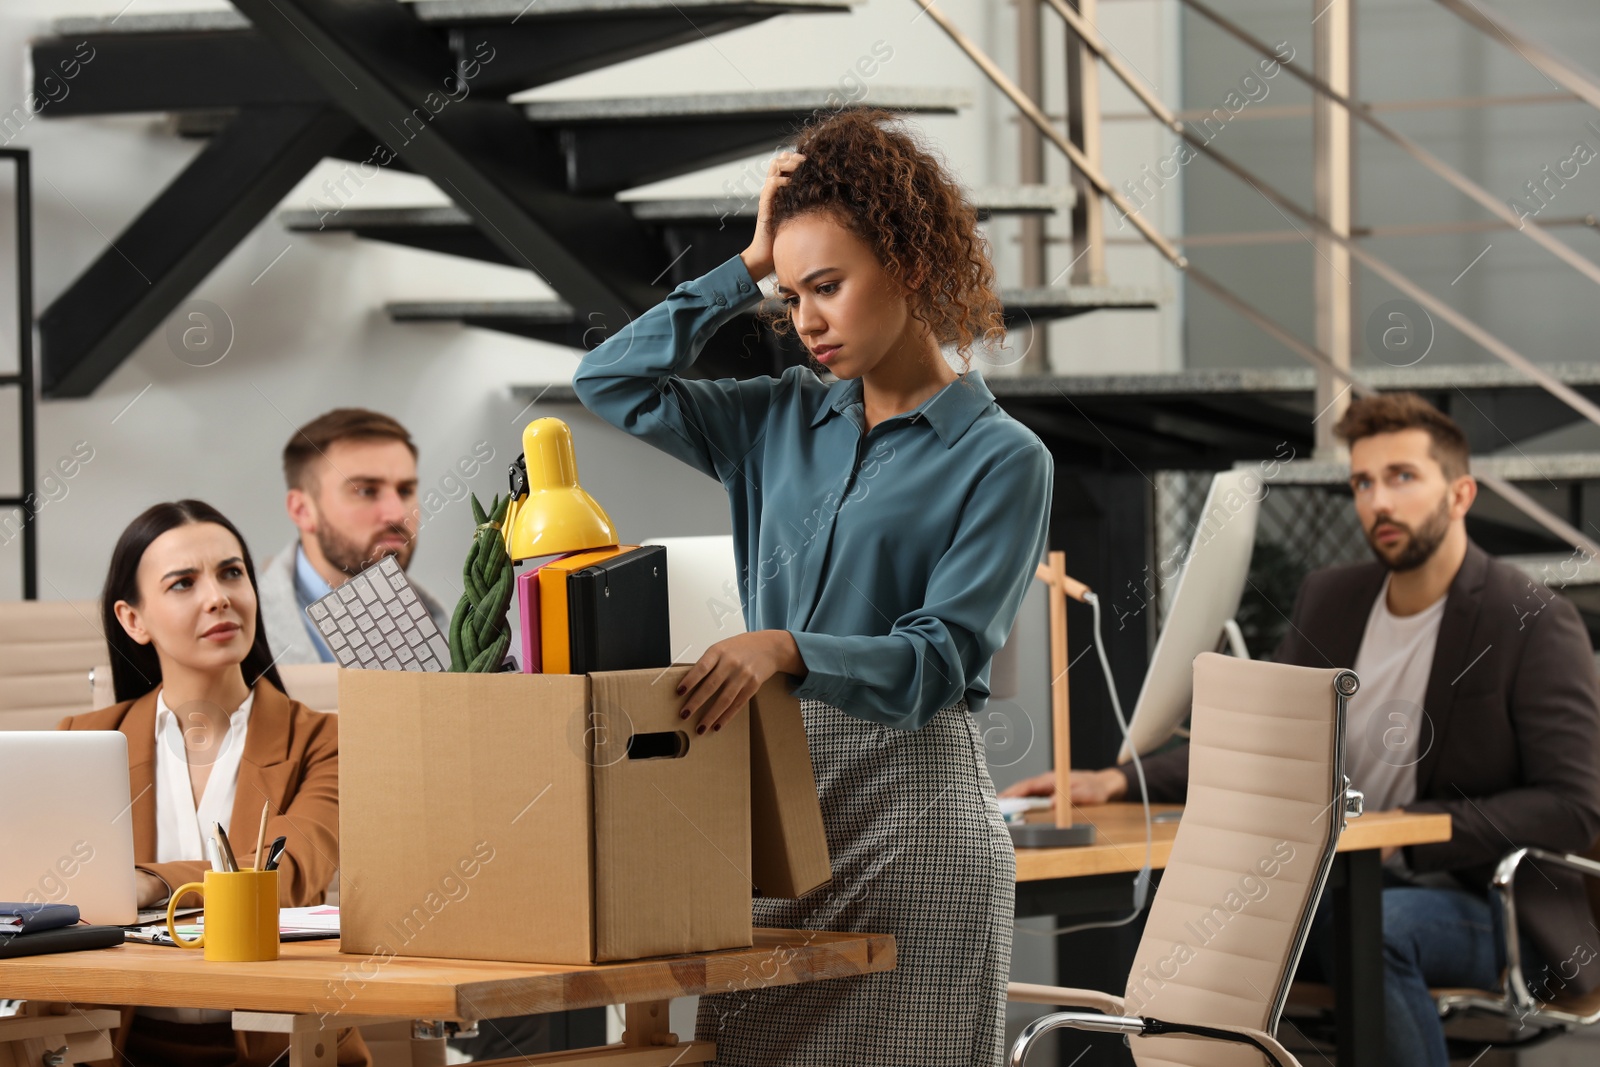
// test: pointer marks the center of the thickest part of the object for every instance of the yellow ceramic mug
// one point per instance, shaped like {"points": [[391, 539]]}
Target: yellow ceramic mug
{"points": [[241, 910]]}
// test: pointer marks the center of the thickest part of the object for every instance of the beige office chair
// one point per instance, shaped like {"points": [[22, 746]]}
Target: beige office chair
{"points": [[47, 648], [1530, 1018], [1511, 1016], [316, 685], [1268, 798]]}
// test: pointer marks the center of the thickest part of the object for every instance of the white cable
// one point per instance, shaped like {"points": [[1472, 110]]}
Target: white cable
{"points": [[1141, 881]]}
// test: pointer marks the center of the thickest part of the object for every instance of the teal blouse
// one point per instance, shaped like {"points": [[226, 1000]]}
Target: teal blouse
{"points": [[898, 558]]}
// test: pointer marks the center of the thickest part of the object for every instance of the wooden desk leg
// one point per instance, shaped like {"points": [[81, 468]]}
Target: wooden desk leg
{"points": [[649, 1023], [1358, 957], [312, 1048], [85, 1036], [312, 1038]]}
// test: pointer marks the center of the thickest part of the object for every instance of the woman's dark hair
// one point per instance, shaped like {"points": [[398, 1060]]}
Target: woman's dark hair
{"points": [[876, 178], [136, 668]]}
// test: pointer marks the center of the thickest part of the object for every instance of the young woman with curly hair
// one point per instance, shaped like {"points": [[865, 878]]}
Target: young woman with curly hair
{"points": [[886, 528]]}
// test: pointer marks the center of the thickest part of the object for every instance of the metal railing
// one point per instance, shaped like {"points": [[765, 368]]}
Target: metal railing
{"points": [[1094, 188]]}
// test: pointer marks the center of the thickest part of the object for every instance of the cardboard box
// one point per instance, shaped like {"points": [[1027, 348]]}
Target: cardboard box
{"points": [[500, 816], [789, 850]]}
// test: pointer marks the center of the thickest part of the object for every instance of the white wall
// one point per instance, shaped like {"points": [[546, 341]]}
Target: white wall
{"points": [[310, 333]]}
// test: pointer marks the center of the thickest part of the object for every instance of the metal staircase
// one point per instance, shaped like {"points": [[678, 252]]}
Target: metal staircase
{"points": [[423, 86]]}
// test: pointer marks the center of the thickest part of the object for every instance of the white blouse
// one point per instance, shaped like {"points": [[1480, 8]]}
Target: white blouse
{"points": [[181, 827]]}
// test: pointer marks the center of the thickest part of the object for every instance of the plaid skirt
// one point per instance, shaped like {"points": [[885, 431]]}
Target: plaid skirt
{"points": [[920, 851]]}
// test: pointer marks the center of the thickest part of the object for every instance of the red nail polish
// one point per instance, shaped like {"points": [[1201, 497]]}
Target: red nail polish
{"points": [[700, 729], [684, 714], [717, 727], [680, 690]]}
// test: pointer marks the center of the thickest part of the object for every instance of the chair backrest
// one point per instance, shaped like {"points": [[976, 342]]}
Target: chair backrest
{"points": [[316, 685], [47, 648], [1252, 854], [1591, 886]]}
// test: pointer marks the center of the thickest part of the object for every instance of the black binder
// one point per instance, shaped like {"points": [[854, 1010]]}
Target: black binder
{"points": [[61, 939], [617, 613]]}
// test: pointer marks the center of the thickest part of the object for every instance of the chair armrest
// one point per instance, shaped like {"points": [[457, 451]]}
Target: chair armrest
{"points": [[1244, 1035], [1136, 1026], [1507, 868], [1062, 997], [1519, 1003]]}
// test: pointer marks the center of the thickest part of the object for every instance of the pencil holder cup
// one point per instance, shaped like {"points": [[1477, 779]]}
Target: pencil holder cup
{"points": [[241, 915]]}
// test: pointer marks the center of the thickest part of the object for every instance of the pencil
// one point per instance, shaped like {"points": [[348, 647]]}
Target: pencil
{"points": [[261, 835]]}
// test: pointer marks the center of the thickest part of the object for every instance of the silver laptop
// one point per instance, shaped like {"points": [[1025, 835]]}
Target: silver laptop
{"points": [[66, 824]]}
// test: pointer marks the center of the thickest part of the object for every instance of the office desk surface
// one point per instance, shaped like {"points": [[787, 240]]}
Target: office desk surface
{"points": [[1119, 845], [313, 977]]}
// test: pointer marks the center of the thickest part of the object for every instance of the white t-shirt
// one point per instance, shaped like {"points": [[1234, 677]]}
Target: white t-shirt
{"points": [[1386, 730]]}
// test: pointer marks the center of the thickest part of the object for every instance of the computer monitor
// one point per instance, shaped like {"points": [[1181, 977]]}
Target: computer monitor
{"points": [[1202, 609], [702, 593], [66, 823]]}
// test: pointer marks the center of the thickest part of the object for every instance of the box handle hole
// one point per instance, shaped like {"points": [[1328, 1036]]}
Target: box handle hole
{"points": [[671, 744]]}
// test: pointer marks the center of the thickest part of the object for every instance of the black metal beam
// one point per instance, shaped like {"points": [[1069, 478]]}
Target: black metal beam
{"points": [[123, 73], [403, 83], [178, 239]]}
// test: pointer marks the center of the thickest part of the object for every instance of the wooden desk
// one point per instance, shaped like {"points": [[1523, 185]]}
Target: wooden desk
{"points": [[1093, 879], [1119, 840], [314, 989]]}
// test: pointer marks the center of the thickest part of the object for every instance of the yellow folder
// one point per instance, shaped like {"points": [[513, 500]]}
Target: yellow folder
{"points": [[555, 638]]}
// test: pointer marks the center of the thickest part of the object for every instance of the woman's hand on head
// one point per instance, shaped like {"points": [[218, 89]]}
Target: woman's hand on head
{"points": [[729, 674], [758, 257]]}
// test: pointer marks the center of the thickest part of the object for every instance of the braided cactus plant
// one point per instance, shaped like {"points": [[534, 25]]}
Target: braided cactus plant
{"points": [[479, 631]]}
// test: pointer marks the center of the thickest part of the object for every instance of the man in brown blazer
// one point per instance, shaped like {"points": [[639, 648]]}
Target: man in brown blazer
{"points": [[1479, 698]]}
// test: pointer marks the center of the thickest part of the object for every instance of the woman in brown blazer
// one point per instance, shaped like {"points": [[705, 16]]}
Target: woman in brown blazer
{"points": [[190, 662]]}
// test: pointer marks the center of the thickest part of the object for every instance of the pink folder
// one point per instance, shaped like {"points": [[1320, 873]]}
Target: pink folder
{"points": [[528, 613]]}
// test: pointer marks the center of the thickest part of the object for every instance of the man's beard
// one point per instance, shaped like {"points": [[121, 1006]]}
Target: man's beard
{"points": [[1420, 544], [351, 559]]}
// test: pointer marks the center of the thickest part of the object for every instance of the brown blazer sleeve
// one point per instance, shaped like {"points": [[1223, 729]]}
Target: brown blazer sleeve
{"points": [[311, 820], [290, 763], [1555, 718]]}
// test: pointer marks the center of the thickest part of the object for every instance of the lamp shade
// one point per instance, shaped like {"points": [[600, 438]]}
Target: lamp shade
{"points": [[556, 515]]}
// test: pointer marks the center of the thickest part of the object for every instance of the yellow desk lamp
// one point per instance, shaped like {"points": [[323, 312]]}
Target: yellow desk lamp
{"points": [[550, 513]]}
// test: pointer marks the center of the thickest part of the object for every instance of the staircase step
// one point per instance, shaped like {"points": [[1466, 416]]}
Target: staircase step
{"points": [[188, 61], [1557, 569], [457, 12], [734, 106], [1538, 467], [557, 322], [615, 143], [444, 13], [709, 210], [698, 224]]}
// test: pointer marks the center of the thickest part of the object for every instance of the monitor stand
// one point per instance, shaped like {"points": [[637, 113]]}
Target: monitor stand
{"points": [[1045, 835]]}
